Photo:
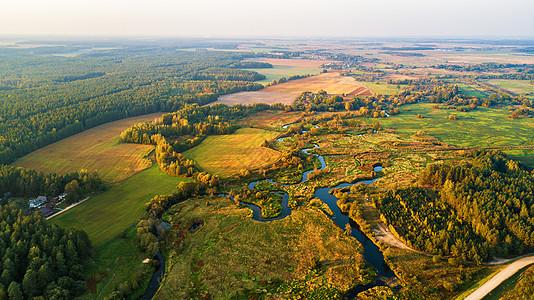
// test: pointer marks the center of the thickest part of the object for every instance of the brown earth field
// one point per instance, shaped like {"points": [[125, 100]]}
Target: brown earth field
{"points": [[332, 83], [96, 149]]}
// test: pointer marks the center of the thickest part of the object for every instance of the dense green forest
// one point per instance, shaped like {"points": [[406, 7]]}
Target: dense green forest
{"points": [[474, 210], [40, 260], [22, 182], [48, 98]]}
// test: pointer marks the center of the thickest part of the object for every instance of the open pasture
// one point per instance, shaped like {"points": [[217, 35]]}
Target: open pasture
{"points": [[96, 149], [107, 214], [227, 155]]}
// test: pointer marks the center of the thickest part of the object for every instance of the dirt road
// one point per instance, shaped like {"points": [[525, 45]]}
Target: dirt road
{"points": [[67, 208], [510, 270]]}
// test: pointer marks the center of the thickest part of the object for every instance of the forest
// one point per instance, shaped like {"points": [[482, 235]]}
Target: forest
{"points": [[72, 95], [474, 210], [26, 183], [38, 259]]}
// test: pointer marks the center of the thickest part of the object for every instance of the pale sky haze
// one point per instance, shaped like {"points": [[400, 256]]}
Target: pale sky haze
{"points": [[292, 18]]}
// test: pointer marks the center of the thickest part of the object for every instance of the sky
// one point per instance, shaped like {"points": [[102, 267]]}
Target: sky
{"points": [[271, 18]]}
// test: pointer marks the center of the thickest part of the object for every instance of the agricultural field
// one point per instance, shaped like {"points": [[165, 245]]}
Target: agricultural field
{"points": [[227, 155], [332, 83], [515, 86], [271, 120], [97, 149], [383, 88], [257, 259], [107, 214]]}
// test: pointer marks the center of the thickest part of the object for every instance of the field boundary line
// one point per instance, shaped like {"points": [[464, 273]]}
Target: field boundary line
{"points": [[67, 208]]}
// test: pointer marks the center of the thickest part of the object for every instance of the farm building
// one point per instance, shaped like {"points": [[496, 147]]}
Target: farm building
{"points": [[37, 201], [47, 211]]}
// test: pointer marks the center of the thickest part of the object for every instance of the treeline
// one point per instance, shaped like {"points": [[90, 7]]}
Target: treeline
{"points": [[23, 182], [476, 210], [374, 106], [227, 74], [133, 83], [284, 79], [39, 260], [251, 65]]}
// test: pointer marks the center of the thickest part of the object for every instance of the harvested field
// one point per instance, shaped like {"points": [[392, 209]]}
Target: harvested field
{"points": [[227, 155], [97, 149], [271, 120], [332, 83]]}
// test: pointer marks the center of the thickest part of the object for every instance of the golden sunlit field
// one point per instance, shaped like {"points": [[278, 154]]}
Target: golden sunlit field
{"points": [[332, 83], [96, 149], [226, 155]]}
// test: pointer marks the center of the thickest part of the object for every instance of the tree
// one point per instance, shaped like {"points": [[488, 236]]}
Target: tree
{"points": [[29, 283], [14, 291], [73, 191]]}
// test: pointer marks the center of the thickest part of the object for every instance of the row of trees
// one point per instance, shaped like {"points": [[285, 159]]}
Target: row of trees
{"points": [[40, 260]]}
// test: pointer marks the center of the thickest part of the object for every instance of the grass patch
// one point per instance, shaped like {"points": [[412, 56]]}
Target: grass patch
{"points": [[226, 155], [277, 72], [470, 91], [383, 88], [107, 214], [97, 149], [514, 86]]}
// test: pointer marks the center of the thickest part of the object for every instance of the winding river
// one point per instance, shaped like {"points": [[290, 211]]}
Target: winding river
{"points": [[372, 253]]}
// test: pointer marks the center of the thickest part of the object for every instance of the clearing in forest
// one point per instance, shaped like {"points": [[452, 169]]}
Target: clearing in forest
{"points": [[96, 149], [227, 155], [333, 83]]}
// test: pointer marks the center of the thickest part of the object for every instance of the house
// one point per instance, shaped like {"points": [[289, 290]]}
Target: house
{"points": [[47, 211], [37, 201]]}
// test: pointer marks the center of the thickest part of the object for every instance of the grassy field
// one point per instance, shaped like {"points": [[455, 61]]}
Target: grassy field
{"points": [[484, 127], [470, 91], [107, 214], [234, 257], [278, 72], [514, 86], [226, 155], [96, 149], [383, 88]]}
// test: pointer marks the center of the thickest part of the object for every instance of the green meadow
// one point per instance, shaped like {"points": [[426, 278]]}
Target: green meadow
{"points": [[483, 127], [277, 72], [106, 215]]}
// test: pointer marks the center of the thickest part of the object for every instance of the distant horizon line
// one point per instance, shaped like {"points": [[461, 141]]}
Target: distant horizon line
{"points": [[268, 37]]}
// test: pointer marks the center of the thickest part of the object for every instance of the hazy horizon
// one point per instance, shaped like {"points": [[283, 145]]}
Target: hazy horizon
{"points": [[239, 18]]}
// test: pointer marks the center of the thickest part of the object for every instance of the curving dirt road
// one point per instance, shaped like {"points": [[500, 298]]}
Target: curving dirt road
{"points": [[504, 274]]}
